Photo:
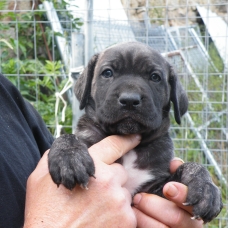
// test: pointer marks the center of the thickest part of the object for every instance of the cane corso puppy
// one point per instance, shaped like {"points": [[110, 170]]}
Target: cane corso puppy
{"points": [[129, 89]]}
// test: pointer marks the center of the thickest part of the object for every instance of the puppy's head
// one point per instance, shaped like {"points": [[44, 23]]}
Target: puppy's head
{"points": [[130, 87]]}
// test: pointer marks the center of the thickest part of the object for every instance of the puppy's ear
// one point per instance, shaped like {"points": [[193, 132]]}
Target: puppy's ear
{"points": [[178, 96], [82, 87]]}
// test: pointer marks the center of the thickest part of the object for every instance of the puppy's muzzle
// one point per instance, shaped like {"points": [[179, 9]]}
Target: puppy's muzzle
{"points": [[130, 100]]}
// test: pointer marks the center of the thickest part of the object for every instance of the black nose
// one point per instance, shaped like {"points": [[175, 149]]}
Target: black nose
{"points": [[130, 100]]}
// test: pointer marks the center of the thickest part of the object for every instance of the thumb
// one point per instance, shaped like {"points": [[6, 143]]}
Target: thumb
{"points": [[177, 193]]}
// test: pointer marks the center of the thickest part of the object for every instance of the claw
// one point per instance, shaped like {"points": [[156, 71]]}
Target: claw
{"points": [[186, 204], [196, 217], [84, 186]]}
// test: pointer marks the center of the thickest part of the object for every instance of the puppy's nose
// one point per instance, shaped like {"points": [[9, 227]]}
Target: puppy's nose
{"points": [[130, 100]]}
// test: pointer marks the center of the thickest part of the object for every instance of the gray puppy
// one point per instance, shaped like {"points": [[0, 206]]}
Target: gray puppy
{"points": [[128, 89]]}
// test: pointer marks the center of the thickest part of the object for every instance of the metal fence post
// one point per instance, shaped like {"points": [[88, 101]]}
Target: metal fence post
{"points": [[77, 63], [89, 51]]}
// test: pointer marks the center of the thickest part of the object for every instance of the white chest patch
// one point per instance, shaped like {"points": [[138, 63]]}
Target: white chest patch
{"points": [[136, 177]]}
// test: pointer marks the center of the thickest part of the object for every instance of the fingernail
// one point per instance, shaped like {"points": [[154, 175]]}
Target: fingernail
{"points": [[137, 199], [172, 191], [138, 137], [178, 159]]}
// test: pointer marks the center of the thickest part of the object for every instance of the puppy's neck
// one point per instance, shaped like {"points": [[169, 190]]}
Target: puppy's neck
{"points": [[156, 133]]}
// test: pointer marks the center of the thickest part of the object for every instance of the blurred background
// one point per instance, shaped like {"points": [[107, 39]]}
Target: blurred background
{"points": [[44, 45]]}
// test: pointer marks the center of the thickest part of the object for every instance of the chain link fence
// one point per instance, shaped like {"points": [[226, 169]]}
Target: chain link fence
{"points": [[44, 45]]}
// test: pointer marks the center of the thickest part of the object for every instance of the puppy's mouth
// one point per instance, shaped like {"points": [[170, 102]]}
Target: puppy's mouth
{"points": [[126, 126], [127, 122]]}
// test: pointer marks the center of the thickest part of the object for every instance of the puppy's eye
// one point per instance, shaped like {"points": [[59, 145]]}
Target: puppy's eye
{"points": [[155, 77], [107, 73]]}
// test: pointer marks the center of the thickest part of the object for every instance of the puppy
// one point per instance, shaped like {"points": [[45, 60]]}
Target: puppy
{"points": [[129, 89]]}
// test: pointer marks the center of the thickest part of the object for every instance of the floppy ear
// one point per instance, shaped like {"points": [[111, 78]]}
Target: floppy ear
{"points": [[82, 87], [178, 96]]}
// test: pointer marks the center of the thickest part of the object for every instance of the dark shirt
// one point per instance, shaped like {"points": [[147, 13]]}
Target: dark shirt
{"points": [[23, 139]]}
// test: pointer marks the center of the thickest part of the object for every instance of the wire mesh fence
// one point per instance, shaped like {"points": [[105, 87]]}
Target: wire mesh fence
{"points": [[44, 43]]}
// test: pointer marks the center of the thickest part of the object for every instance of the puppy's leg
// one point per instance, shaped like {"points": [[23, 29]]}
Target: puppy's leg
{"points": [[69, 162], [203, 194]]}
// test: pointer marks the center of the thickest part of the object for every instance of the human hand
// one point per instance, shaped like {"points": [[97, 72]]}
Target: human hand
{"points": [[154, 211], [105, 204]]}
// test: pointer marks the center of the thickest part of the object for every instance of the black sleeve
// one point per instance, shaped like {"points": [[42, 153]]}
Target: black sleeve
{"points": [[23, 139]]}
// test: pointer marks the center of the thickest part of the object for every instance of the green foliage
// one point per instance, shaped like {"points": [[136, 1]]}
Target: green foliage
{"points": [[6, 43], [40, 90], [2, 4], [213, 52], [30, 59], [65, 15]]}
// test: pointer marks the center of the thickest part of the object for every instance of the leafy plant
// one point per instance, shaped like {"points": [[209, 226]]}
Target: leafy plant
{"points": [[31, 60], [6, 43]]}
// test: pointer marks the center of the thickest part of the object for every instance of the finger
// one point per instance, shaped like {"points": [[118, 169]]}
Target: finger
{"points": [[113, 147], [165, 211], [145, 221], [177, 193], [175, 163]]}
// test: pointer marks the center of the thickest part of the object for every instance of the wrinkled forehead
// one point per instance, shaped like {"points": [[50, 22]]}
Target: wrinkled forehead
{"points": [[135, 56]]}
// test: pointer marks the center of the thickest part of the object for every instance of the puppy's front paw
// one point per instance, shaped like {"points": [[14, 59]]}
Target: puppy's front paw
{"points": [[69, 162], [203, 194]]}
